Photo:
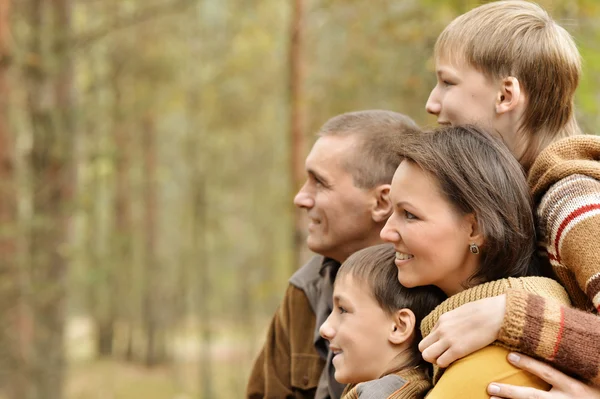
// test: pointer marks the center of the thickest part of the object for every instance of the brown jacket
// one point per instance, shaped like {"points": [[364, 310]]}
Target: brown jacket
{"points": [[293, 357]]}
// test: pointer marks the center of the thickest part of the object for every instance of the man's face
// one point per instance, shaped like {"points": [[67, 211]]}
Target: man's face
{"points": [[358, 332], [339, 213]]}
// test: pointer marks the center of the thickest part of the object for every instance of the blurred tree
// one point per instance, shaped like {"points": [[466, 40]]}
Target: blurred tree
{"points": [[297, 122], [49, 78]]}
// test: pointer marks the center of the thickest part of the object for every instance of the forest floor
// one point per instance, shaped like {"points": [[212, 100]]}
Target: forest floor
{"points": [[92, 378]]}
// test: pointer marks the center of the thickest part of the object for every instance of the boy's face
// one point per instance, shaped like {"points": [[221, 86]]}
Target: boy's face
{"points": [[463, 95], [358, 331]]}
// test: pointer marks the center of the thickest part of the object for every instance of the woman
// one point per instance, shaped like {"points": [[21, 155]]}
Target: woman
{"points": [[509, 68], [462, 221]]}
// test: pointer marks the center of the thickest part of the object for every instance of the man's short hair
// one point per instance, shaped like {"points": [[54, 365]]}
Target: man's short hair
{"points": [[374, 266], [373, 162]]}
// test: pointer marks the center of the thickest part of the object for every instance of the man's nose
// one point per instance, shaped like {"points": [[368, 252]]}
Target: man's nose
{"points": [[304, 199]]}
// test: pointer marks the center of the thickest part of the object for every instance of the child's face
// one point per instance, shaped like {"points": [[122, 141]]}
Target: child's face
{"points": [[430, 237], [463, 95], [358, 332]]}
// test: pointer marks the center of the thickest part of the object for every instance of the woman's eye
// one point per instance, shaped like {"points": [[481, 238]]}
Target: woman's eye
{"points": [[409, 215]]}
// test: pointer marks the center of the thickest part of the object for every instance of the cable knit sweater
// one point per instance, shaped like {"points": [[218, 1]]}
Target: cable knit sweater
{"points": [[565, 182], [544, 287]]}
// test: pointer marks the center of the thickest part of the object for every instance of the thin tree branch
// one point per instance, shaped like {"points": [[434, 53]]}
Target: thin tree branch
{"points": [[87, 38]]}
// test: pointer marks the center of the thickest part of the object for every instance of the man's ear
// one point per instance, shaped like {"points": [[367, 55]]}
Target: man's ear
{"points": [[403, 326], [382, 206], [509, 95]]}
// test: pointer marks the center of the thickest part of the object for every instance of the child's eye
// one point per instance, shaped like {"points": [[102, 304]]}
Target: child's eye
{"points": [[342, 310], [409, 215], [447, 83]]}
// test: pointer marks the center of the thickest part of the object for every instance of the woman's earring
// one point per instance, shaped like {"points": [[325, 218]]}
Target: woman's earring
{"points": [[474, 248]]}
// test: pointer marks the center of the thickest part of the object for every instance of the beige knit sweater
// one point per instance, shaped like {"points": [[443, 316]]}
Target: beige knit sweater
{"points": [[544, 287]]}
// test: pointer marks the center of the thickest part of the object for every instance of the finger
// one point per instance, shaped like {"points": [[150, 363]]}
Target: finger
{"points": [[428, 340], [515, 392], [540, 369], [450, 355], [433, 352]]}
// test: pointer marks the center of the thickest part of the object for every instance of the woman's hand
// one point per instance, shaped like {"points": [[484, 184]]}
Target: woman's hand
{"points": [[563, 386], [464, 330]]}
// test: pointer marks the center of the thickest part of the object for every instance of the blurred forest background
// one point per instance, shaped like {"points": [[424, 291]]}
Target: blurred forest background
{"points": [[149, 153]]}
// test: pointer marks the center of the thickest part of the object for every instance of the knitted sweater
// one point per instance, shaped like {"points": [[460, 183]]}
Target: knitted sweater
{"points": [[544, 287], [565, 182], [404, 384]]}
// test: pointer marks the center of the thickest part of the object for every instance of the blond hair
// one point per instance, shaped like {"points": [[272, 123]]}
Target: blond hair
{"points": [[520, 39]]}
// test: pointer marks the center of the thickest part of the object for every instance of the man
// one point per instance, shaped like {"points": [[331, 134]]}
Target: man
{"points": [[346, 197]]}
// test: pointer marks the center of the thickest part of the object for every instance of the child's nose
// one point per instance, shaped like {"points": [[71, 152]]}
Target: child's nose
{"points": [[433, 106], [326, 330]]}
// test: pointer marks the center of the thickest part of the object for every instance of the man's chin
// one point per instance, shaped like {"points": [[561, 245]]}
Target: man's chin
{"points": [[315, 244]]}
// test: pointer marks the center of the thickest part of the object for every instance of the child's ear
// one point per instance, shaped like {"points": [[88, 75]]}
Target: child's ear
{"points": [[382, 206], [403, 327], [509, 95]]}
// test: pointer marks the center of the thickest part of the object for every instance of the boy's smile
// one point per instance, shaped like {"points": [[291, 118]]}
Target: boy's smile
{"points": [[358, 330]]}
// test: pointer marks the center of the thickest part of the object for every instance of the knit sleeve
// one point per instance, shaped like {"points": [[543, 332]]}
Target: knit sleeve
{"points": [[569, 224], [567, 338]]}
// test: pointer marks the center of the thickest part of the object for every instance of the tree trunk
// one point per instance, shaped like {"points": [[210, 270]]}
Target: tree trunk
{"points": [[14, 332], [153, 290], [297, 124], [52, 179]]}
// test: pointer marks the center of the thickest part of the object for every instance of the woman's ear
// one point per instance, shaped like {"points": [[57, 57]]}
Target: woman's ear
{"points": [[509, 95], [382, 208], [475, 233], [403, 326]]}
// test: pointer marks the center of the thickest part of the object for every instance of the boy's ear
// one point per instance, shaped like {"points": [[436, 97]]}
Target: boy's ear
{"points": [[403, 327], [509, 95], [382, 208]]}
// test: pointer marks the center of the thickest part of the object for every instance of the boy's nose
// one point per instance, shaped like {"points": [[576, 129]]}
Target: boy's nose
{"points": [[326, 330], [433, 106]]}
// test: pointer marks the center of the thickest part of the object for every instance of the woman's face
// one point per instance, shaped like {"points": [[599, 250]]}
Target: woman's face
{"points": [[430, 236]]}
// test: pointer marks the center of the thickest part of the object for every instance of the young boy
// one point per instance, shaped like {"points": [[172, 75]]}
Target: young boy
{"points": [[373, 328]]}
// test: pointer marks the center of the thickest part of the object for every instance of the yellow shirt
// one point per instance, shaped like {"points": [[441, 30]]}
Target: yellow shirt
{"points": [[470, 376]]}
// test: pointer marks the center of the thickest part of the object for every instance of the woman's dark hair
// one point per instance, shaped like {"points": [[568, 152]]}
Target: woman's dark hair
{"points": [[478, 174]]}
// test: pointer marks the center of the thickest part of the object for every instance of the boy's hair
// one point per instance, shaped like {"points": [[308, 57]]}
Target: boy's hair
{"points": [[372, 162], [477, 174], [520, 39], [375, 267]]}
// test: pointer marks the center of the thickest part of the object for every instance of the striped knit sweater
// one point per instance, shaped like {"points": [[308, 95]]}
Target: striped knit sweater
{"points": [[565, 182], [546, 288], [404, 384]]}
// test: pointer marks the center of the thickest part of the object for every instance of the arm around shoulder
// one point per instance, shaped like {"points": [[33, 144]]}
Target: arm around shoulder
{"points": [[567, 338]]}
